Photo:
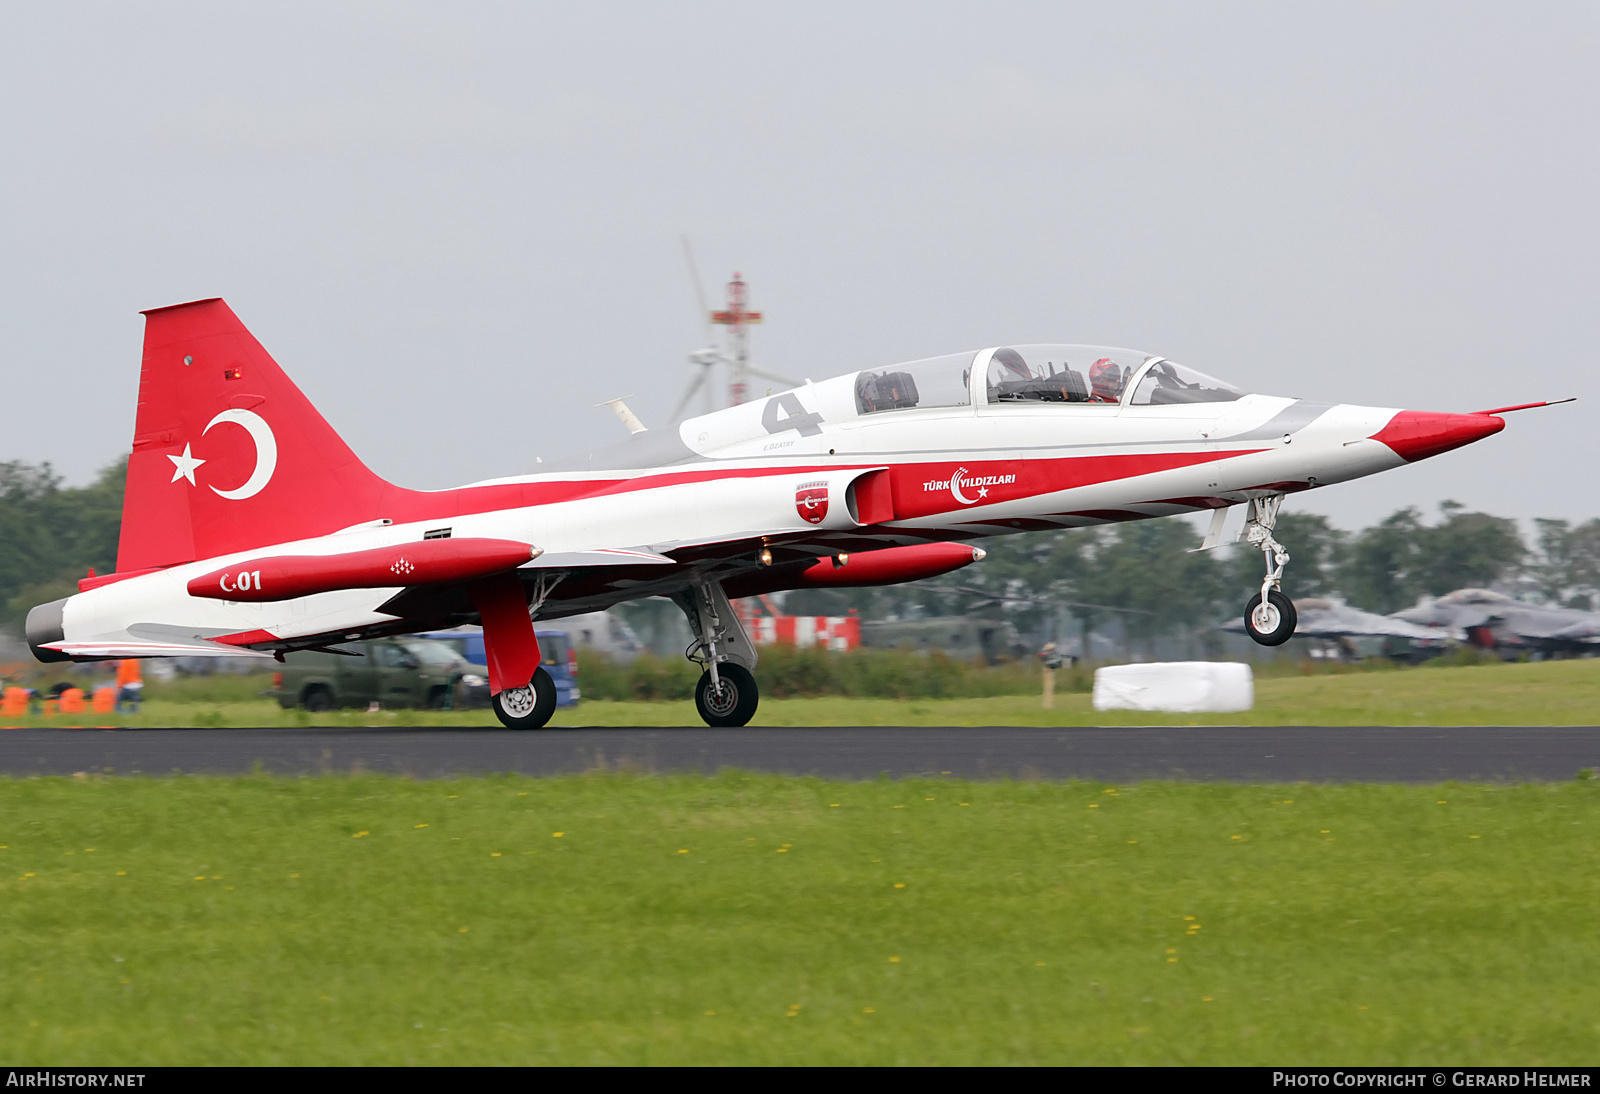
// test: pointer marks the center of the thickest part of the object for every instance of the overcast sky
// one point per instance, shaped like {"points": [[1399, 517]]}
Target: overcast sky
{"points": [[457, 225]]}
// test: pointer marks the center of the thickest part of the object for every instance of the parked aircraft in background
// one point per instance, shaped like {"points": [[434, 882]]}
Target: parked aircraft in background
{"points": [[1495, 621], [249, 527]]}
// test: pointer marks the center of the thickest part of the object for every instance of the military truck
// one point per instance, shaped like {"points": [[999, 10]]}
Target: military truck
{"points": [[392, 672]]}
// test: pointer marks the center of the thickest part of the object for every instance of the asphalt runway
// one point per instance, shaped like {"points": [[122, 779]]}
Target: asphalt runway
{"points": [[1233, 753]]}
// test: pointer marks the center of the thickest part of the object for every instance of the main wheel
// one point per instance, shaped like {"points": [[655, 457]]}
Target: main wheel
{"points": [[529, 707], [735, 704], [1272, 623]]}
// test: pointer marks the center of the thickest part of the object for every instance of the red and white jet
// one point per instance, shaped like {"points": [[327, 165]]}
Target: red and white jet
{"points": [[249, 528]]}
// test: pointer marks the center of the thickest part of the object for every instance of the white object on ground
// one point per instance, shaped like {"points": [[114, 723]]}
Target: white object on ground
{"points": [[1178, 686]]}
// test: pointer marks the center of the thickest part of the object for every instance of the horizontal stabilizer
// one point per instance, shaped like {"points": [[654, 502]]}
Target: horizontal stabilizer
{"points": [[148, 649]]}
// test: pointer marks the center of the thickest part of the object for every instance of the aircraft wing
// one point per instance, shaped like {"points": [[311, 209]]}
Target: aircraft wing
{"points": [[1585, 630], [1350, 622], [1562, 624], [1453, 616], [604, 556]]}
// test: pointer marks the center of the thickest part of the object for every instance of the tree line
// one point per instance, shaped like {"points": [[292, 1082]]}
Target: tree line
{"points": [[51, 535]]}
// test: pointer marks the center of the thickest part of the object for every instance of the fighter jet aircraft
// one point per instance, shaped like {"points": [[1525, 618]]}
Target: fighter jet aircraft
{"points": [[1493, 620], [249, 527]]}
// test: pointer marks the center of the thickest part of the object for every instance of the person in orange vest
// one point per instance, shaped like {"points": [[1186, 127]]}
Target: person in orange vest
{"points": [[15, 703], [130, 685]]}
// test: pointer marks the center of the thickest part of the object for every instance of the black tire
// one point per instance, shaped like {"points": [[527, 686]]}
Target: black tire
{"points": [[317, 700], [438, 698], [735, 704], [1280, 619], [529, 707]]}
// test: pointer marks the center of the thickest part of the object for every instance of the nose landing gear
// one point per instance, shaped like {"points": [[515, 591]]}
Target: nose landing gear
{"points": [[1270, 617], [731, 701], [727, 694]]}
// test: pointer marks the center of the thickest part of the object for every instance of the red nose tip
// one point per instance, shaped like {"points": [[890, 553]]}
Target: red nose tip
{"points": [[1416, 434]]}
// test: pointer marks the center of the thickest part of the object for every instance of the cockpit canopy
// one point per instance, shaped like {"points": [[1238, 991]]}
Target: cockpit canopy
{"points": [[934, 381], [1047, 373], [1061, 374], [1167, 382]]}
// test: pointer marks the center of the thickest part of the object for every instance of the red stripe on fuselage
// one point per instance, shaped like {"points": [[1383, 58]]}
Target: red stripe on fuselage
{"points": [[909, 483], [997, 481], [928, 489]]}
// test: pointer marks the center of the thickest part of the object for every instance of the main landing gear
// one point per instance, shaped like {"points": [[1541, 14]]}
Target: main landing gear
{"points": [[528, 707], [522, 693], [727, 694], [1270, 617]]}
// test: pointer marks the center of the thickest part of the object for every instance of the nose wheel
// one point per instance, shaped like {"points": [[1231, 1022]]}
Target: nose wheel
{"points": [[1270, 622], [1270, 617], [731, 701]]}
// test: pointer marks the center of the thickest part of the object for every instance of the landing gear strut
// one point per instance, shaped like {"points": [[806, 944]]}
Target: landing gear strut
{"points": [[1270, 617], [522, 693], [727, 694]]}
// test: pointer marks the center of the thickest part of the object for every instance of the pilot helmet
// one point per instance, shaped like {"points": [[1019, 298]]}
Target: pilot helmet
{"points": [[1105, 378]]}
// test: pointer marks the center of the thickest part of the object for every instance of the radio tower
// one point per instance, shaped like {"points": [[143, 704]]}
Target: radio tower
{"points": [[737, 319]]}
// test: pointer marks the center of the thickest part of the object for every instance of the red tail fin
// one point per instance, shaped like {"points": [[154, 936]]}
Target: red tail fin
{"points": [[228, 455]]}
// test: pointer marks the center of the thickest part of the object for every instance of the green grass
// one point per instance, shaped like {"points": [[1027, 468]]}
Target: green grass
{"points": [[754, 919], [1542, 693]]}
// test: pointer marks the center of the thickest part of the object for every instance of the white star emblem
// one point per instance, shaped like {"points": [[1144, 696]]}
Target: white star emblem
{"points": [[183, 466], [983, 491]]}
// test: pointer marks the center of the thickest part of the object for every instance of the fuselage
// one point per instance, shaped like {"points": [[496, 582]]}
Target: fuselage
{"points": [[952, 449]]}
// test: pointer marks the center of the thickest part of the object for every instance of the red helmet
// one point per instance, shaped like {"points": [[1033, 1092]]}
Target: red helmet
{"points": [[1105, 379]]}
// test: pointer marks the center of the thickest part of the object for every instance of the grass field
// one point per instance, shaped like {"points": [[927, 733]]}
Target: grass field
{"points": [[755, 919], [1542, 693]]}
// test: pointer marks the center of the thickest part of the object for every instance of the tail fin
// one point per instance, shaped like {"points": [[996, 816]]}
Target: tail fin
{"points": [[228, 455]]}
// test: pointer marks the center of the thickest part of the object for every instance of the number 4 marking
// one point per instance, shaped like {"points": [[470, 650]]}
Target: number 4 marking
{"points": [[808, 425]]}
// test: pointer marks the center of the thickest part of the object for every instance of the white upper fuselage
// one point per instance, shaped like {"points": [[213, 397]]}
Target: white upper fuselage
{"points": [[790, 471]]}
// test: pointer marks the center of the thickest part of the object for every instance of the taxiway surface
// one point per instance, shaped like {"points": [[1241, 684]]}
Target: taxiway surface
{"points": [[1359, 754]]}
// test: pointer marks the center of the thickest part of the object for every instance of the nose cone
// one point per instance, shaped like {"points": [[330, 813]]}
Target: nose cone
{"points": [[1416, 434]]}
